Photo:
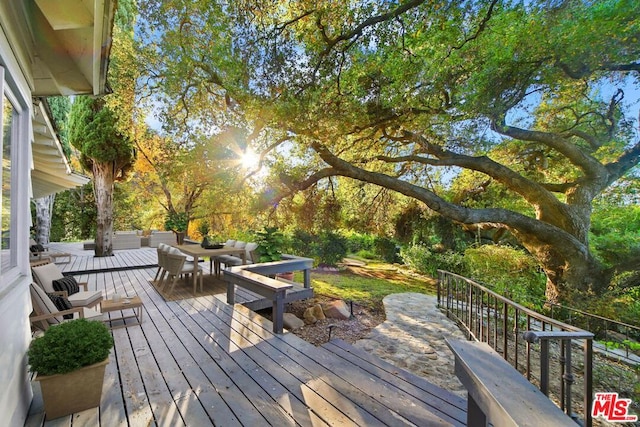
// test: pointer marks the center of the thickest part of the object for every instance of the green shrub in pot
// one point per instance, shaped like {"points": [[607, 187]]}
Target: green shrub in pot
{"points": [[70, 346], [70, 360]]}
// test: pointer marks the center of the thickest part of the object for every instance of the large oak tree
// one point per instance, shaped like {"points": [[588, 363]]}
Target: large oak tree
{"points": [[387, 92]]}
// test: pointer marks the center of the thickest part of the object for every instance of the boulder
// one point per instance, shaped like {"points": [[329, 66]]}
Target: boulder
{"points": [[291, 321], [309, 318], [317, 312], [337, 310]]}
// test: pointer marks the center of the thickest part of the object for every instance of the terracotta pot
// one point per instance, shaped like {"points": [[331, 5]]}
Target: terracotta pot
{"points": [[286, 276], [64, 394]]}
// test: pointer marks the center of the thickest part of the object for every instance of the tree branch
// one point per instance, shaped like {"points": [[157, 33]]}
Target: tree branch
{"points": [[589, 165], [501, 218]]}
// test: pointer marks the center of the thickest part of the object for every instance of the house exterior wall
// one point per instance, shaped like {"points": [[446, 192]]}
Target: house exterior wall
{"points": [[35, 59], [15, 301]]}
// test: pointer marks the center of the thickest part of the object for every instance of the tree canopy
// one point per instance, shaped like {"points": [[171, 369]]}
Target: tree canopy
{"points": [[529, 98]]}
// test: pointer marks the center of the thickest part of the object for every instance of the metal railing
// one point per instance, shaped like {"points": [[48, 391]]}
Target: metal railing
{"points": [[618, 339], [541, 348]]}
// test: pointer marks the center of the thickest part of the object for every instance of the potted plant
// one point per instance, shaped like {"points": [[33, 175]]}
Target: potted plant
{"points": [[178, 222], [70, 360], [270, 244]]}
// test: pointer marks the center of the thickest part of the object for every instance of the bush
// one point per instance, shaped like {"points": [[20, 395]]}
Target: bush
{"points": [[303, 244], [510, 272], [387, 249], [426, 261], [332, 248], [270, 244], [357, 242], [69, 346], [176, 221], [365, 254]]}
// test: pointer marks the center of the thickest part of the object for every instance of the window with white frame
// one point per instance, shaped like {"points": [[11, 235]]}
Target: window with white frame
{"points": [[10, 133]]}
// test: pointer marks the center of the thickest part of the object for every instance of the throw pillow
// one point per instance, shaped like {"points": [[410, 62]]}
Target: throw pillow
{"points": [[67, 283], [36, 248], [62, 304]]}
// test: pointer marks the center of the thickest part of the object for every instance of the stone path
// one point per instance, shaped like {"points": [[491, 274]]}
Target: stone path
{"points": [[412, 338]]}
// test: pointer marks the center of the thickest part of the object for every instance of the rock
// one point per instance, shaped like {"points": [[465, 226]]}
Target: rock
{"points": [[317, 312], [309, 317], [337, 310], [291, 321]]}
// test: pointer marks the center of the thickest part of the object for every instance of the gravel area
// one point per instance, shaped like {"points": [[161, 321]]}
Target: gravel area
{"points": [[365, 319]]}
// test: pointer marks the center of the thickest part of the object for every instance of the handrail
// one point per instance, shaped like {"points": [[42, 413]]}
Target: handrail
{"points": [[489, 317], [602, 328]]}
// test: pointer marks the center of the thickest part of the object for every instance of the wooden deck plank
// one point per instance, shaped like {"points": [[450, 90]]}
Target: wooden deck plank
{"points": [[371, 396], [306, 398], [231, 386], [112, 404], [257, 385], [445, 404], [135, 396], [175, 362], [297, 374]]}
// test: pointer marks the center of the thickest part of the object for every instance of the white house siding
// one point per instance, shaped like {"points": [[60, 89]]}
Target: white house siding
{"points": [[15, 302], [38, 59]]}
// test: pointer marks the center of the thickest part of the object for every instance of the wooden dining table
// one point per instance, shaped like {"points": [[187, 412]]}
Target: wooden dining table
{"points": [[197, 252]]}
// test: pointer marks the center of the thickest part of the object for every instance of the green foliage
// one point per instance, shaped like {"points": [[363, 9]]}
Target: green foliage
{"points": [[203, 228], [303, 243], [508, 271], [366, 254], [387, 249], [270, 244], [176, 221], [424, 260], [357, 242], [621, 301], [74, 215], [60, 106], [332, 248], [511, 95], [69, 346], [93, 130], [615, 233]]}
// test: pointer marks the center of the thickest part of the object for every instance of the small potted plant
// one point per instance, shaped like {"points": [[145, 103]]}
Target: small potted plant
{"points": [[178, 222], [70, 360], [270, 244]]}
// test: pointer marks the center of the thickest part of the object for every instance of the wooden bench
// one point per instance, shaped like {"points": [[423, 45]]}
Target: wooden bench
{"points": [[273, 289], [254, 277], [498, 393]]}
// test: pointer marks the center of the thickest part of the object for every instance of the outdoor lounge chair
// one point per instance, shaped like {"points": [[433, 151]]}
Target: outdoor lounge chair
{"points": [[44, 275], [39, 252], [45, 312]]}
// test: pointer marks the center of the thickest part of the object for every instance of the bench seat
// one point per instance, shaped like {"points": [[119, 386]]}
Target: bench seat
{"points": [[498, 393]]}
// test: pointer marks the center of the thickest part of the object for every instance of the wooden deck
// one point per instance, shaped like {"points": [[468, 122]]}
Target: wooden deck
{"points": [[201, 362]]}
